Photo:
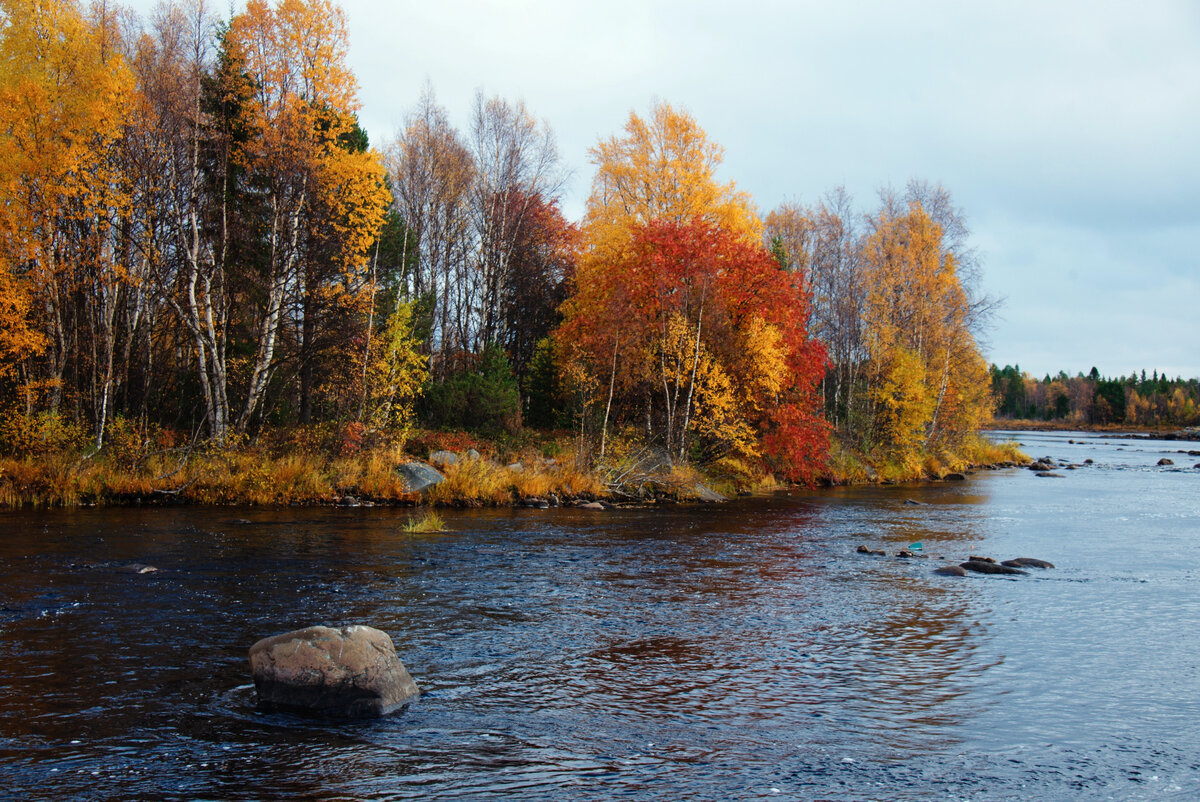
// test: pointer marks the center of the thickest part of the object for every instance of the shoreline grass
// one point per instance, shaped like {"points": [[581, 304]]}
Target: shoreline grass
{"points": [[487, 473]]}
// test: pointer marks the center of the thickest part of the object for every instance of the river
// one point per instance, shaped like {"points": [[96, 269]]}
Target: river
{"points": [[738, 651]]}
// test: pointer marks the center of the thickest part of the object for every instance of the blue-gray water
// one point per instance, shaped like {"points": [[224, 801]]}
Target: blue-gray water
{"points": [[730, 652]]}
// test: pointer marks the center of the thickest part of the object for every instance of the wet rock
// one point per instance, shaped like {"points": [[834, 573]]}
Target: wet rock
{"points": [[906, 554], [1194, 453], [591, 505], [1089, 461], [1041, 466], [1027, 562], [535, 503], [1197, 466], [443, 459], [915, 503], [419, 477], [349, 501], [1165, 461], [1049, 475], [955, 477], [978, 559], [980, 567], [707, 494], [137, 568], [352, 672], [951, 570], [870, 551]]}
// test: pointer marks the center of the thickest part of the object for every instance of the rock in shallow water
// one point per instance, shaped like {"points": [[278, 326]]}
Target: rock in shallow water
{"points": [[352, 672], [980, 567], [1027, 562]]}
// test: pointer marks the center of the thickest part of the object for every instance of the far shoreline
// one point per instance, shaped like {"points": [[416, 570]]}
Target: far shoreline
{"points": [[1109, 429]]}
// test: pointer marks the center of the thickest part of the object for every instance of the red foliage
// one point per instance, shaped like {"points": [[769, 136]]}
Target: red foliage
{"points": [[697, 269]]}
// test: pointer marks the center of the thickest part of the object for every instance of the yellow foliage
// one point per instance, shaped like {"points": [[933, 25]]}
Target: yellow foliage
{"points": [[903, 404], [396, 372], [664, 169]]}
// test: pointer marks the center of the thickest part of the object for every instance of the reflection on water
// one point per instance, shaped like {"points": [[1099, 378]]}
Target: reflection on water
{"points": [[715, 652]]}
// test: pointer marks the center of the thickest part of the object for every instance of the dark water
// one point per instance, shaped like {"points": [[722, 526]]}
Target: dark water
{"points": [[730, 652]]}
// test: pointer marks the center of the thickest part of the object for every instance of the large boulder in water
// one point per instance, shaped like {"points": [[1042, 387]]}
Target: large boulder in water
{"points": [[352, 672], [419, 477]]}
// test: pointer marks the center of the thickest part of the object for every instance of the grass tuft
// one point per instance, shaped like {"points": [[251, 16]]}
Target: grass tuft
{"points": [[427, 523]]}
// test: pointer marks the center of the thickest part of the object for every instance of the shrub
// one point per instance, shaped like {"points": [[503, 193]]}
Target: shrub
{"points": [[482, 398]]}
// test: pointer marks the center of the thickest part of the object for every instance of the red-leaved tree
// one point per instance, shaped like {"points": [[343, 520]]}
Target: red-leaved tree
{"points": [[701, 338]]}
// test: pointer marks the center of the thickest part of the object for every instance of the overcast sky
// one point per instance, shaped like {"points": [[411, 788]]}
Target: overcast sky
{"points": [[1069, 132]]}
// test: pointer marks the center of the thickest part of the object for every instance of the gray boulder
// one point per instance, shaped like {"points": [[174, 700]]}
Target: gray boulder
{"points": [[419, 477], [707, 494], [442, 459], [352, 672]]}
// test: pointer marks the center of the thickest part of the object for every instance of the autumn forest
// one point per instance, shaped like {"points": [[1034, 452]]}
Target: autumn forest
{"points": [[207, 271]]}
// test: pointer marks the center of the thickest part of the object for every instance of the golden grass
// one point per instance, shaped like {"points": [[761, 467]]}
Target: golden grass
{"points": [[252, 475], [427, 523]]}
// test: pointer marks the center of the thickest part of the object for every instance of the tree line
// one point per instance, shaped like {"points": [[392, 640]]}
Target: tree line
{"points": [[199, 237], [1135, 400]]}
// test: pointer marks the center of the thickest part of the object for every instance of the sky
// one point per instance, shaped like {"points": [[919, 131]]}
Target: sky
{"points": [[1068, 132]]}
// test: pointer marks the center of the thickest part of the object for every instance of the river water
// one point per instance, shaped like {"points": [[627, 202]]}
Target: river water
{"points": [[721, 652]]}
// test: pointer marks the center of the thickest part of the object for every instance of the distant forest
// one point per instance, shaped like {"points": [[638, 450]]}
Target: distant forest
{"points": [[1136, 399]]}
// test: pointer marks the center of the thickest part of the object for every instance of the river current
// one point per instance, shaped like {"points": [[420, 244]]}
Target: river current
{"points": [[735, 651]]}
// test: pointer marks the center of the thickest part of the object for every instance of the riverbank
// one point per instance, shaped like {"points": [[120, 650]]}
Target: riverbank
{"points": [[457, 470]]}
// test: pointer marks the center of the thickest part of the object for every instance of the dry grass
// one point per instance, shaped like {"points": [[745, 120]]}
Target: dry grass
{"points": [[473, 482]]}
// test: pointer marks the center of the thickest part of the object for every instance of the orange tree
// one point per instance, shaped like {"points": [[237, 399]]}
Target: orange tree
{"points": [[698, 335]]}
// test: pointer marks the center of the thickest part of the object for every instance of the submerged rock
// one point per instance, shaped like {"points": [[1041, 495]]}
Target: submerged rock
{"points": [[870, 551], [592, 505], [1049, 475], [980, 567], [1027, 562], [352, 672], [951, 570], [137, 568], [419, 476]]}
